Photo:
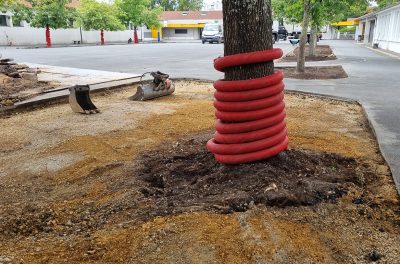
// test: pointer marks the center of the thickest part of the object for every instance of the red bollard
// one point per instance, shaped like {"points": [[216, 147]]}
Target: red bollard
{"points": [[135, 37], [48, 39], [102, 37], [251, 113]]}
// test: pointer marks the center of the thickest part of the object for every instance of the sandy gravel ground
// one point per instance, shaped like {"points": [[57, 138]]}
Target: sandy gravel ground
{"points": [[66, 197]]}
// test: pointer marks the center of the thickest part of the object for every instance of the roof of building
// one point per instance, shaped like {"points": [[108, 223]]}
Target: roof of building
{"points": [[191, 15]]}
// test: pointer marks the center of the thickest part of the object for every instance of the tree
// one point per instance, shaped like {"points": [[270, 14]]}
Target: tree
{"points": [[21, 13], [253, 17], [52, 14], [98, 16], [138, 13], [315, 14], [177, 5], [385, 3]]}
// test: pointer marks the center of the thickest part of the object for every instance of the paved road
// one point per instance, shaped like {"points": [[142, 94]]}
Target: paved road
{"points": [[177, 59], [373, 78]]}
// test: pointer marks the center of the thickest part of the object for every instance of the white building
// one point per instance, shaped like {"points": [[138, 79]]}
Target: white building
{"points": [[381, 28], [186, 25]]}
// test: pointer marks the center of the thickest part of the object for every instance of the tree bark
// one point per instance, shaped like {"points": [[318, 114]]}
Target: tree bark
{"points": [[313, 41], [247, 28], [303, 37]]}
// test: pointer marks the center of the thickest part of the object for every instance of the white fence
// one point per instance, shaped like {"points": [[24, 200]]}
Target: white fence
{"points": [[26, 36]]}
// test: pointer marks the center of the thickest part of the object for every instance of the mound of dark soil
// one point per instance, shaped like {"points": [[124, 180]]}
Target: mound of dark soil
{"points": [[315, 73], [185, 176], [322, 53]]}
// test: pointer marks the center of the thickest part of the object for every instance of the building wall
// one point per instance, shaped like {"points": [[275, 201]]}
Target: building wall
{"points": [[387, 31], [36, 36], [170, 34]]}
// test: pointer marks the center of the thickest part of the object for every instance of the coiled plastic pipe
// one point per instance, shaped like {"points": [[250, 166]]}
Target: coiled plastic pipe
{"points": [[251, 113]]}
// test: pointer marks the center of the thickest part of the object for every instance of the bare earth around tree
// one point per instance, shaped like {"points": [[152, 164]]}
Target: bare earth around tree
{"points": [[322, 53], [134, 184], [315, 73]]}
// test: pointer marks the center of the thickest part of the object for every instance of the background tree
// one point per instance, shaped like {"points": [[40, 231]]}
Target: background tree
{"points": [[98, 16], [314, 14], [138, 13], [385, 3], [177, 5], [52, 14]]}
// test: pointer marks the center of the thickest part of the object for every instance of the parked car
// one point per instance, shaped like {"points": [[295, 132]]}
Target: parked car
{"points": [[212, 33]]}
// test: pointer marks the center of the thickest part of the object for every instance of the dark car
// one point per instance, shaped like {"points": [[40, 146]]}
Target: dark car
{"points": [[282, 33]]}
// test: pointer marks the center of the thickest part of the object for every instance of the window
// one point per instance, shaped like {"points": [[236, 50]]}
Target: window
{"points": [[3, 20], [181, 31]]}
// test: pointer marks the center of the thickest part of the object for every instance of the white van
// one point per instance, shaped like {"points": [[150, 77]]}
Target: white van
{"points": [[212, 32]]}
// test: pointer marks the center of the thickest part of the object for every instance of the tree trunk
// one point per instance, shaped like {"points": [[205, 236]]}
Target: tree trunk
{"points": [[303, 37], [247, 28], [102, 37], [313, 41]]}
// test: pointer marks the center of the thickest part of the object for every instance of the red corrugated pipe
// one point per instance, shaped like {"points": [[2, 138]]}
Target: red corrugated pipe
{"points": [[251, 113]]}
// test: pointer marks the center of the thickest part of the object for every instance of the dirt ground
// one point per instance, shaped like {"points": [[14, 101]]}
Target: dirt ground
{"points": [[315, 73], [14, 90], [322, 53], [100, 188]]}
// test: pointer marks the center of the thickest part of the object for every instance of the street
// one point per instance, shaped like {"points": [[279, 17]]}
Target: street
{"points": [[192, 60]]}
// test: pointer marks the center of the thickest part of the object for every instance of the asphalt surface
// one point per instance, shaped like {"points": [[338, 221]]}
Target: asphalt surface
{"points": [[178, 59], [373, 77]]}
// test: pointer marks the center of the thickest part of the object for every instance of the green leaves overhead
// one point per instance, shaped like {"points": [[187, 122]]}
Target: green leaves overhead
{"points": [[98, 16], [138, 13], [322, 11], [54, 13], [177, 5]]}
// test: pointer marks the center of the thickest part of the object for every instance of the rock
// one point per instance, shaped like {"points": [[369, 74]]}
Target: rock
{"points": [[21, 66], [374, 256], [14, 75], [29, 76], [6, 60], [8, 102]]}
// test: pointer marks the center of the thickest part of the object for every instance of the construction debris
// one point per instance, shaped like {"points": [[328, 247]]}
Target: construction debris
{"points": [[160, 86]]}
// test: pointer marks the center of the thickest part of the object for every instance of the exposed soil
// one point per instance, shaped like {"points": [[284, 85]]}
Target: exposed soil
{"points": [[315, 73], [322, 53], [14, 90], [87, 189], [185, 175]]}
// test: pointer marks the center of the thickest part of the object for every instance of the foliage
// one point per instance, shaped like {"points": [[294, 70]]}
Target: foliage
{"points": [[98, 16], [53, 13], [21, 13], [322, 11], [347, 29], [177, 5], [385, 3], [138, 13]]}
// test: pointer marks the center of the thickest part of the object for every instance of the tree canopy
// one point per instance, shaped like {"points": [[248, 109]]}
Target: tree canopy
{"points": [[98, 16], [52, 13], [138, 13], [322, 11], [385, 3], [177, 5]]}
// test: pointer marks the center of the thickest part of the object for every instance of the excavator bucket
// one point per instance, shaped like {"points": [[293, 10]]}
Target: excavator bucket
{"points": [[160, 86], [79, 100]]}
